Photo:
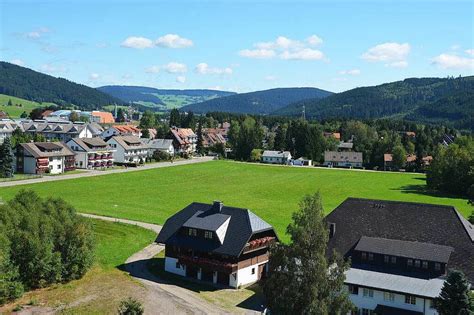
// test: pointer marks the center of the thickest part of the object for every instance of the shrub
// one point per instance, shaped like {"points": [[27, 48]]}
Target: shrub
{"points": [[161, 156], [130, 306], [256, 155]]}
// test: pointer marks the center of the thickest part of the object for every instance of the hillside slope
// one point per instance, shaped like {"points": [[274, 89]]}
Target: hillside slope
{"points": [[411, 98], [161, 98], [39, 87], [260, 102]]}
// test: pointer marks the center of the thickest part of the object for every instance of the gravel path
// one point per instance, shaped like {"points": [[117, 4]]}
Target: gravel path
{"points": [[101, 173]]}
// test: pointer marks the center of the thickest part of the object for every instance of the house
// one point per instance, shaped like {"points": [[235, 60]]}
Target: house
{"points": [[3, 115], [213, 136], [400, 252], [7, 127], [216, 243], [276, 157], [343, 159], [162, 145], [411, 160], [102, 117], [61, 130], [121, 130], [335, 135], [91, 153], [128, 149], [184, 140], [345, 146], [44, 157], [301, 162]]}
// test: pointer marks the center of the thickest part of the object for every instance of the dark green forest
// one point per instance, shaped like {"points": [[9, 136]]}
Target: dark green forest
{"points": [[35, 86]]}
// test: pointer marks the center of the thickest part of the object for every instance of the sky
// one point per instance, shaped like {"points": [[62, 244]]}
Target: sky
{"points": [[239, 45]]}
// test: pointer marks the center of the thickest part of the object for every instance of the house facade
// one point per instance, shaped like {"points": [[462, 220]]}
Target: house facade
{"points": [[184, 140], [400, 252], [276, 157], [121, 130], [343, 159], [91, 153], [44, 157], [162, 145], [217, 244], [128, 149], [62, 131], [7, 127]]}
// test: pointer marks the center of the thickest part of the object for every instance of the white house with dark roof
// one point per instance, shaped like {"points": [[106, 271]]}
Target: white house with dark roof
{"points": [[218, 244], [91, 153], [400, 252], [44, 157], [348, 159], [128, 149], [62, 131], [276, 157], [7, 127], [162, 145]]}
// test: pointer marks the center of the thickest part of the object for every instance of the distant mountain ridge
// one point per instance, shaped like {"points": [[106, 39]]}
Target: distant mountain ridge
{"points": [[39, 87], [164, 97], [440, 100], [259, 102]]}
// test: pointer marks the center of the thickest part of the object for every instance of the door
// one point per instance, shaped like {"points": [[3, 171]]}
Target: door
{"points": [[262, 271], [223, 278]]}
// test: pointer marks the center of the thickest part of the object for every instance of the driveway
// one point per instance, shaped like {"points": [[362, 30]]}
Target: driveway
{"points": [[100, 173]]}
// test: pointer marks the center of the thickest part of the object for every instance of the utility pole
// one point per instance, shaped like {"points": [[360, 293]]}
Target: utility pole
{"points": [[303, 113]]}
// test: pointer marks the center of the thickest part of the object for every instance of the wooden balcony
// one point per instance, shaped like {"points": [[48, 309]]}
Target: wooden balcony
{"points": [[207, 263], [259, 243]]}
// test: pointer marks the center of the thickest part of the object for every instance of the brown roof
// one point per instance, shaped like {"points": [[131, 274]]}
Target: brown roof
{"points": [[387, 157], [126, 128], [46, 149], [346, 156], [182, 134], [130, 142], [91, 144]]}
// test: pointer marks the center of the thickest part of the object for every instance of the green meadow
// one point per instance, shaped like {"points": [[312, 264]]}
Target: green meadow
{"points": [[272, 192], [15, 110]]}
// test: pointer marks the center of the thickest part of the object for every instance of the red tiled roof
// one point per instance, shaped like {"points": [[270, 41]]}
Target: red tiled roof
{"points": [[126, 128], [105, 117]]}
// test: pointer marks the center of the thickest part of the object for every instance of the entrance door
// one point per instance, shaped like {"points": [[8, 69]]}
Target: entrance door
{"points": [[262, 271]]}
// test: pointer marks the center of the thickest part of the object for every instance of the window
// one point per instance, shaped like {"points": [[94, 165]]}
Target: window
{"points": [[368, 293], [388, 296], [192, 232], [59, 166], [208, 234], [371, 256], [410, 262], [178, 265], [437, 266], [425, 265], [417, 263], [410, 299], [353, 289], [364, 256], [394, 260], [253, 271], [366, 311], [386, 259]]}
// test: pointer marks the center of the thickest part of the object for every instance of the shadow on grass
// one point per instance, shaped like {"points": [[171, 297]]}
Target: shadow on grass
{"points": [[424, 190], [255, 302]]}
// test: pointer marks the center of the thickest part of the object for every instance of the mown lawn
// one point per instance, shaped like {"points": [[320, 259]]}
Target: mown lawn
{"points": [[273, 192], [104, 286]]}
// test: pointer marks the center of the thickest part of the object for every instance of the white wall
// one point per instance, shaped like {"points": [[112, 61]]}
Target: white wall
{"points": [[422, 305], [56, 165], [170, 266], [245, 276]]}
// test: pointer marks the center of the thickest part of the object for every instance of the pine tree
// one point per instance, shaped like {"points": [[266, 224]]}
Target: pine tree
{"points": [[454, 296], [6, 159]]}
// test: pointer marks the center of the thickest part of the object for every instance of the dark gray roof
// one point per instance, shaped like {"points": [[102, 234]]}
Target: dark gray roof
{"points": [[405, 221], [242, 225], [408, 249]]}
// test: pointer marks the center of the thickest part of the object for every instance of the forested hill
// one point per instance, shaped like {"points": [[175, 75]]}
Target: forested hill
{"points": [[35, 86], [447, 100], [145, 94], [260, 102]]}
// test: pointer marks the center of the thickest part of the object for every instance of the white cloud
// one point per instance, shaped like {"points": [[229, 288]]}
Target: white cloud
{"points": [[270, 78], [303, 54], [137, 42], [94, 76], [393, 54], [37, 33], [181, 79], [102, 45], [173, 41], [469, 52], [286, 48], [152, 69], [175, 67], [314, 40], [350, 72], [17, 62], [257, 53], [203, 68], [50, 68], [448, 61]]}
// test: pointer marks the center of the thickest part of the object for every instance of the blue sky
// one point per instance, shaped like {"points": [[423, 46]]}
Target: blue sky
{"points": [[239, 45]]}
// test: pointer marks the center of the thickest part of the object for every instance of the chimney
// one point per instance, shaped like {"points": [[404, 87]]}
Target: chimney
{"points": [[217, 206], [332, 229]]}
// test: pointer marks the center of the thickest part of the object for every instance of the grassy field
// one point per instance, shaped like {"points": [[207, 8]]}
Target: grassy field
{"points": [[15, 111], [273, 192], [103, 287]]}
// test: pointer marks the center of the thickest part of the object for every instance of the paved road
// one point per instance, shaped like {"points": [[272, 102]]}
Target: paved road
{"points": [[162, 297], [100, 173]]}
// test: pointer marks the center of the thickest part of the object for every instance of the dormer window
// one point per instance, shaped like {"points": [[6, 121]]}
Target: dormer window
{"points": [[386, 259], [371, 256], [437, 266], [417, 263], [364, 256], [394, 260], [410, 262], [192, 232], [208, 234], [425, 265]]}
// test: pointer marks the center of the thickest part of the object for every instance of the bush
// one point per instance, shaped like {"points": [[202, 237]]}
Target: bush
{"points": [[161, 156], [43, 242], [130, 306], [256, 155]]}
